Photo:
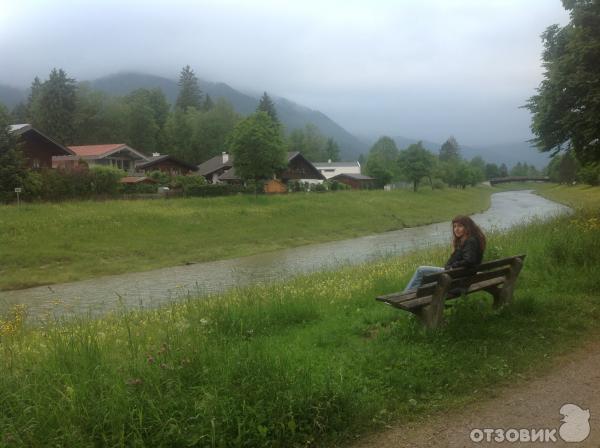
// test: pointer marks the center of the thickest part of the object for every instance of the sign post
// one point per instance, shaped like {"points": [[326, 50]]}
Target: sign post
{"points": [[18, 190]]}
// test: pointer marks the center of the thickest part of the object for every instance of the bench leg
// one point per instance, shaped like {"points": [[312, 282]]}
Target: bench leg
{"points": [[495, 292], [432, 315], [505, 294]]}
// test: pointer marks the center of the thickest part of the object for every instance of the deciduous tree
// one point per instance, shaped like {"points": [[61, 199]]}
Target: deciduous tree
{"points": [[258, 148], [566, 108], [382, 161], [416, 163]]}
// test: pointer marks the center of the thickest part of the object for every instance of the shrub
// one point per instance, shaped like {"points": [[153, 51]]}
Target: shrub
{"points": [[208, 190], [102, 179], [55, 185], [590, 174], [161, 177], [295, 186], [138, 188], [187, 182], [33, 185], [320, 188], [437, 184]]}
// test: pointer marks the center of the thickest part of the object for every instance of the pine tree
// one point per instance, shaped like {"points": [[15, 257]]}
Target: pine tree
{"points": [[53, 106], [450, 151], [34, 94], [190, 94], [208, 103], [266, 105]]}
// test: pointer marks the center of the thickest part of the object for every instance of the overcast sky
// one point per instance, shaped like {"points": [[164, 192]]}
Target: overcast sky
{"points": [[423, 69]]}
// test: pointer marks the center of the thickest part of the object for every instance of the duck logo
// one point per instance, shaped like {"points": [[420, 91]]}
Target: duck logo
{"points": [[576, 425]]}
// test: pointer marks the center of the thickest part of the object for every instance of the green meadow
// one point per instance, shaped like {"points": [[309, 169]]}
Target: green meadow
{"points": [[54, 243], [314, 361]]}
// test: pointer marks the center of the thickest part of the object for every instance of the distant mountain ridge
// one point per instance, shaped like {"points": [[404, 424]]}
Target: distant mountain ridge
{"points": [[11, 96], [292, 115]]}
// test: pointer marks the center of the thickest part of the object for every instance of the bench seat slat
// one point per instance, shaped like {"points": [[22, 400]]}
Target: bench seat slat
{"points": [[428, 289], [418, 302]]}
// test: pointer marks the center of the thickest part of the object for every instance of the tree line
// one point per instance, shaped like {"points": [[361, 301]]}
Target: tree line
{"points": [[388, 164], [194, 129]]}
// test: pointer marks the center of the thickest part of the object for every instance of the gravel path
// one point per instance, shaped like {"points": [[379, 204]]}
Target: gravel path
{"points": [[534, 403]]}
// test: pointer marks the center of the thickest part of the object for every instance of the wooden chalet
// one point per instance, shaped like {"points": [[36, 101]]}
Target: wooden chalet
{"points": [[37, 147], [355, 181], [215, 167], [166, 164], [298, 169]]}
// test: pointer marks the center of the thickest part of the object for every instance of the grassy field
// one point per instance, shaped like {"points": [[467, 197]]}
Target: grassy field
{"points": [[55, 243], [312, 362], [575, 196]]}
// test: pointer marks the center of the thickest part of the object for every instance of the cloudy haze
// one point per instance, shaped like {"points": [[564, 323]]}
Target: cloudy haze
{"points": [[421, 69]]}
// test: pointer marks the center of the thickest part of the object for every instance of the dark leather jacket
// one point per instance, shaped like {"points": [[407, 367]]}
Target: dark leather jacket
{"points": [[468, 255]]}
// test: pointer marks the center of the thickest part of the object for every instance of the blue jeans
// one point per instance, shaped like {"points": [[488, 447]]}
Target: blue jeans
{"points": [[421, 272]]}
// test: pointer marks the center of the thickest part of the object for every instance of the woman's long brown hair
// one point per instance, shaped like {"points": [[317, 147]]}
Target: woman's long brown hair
{"points": [[471, 228]]}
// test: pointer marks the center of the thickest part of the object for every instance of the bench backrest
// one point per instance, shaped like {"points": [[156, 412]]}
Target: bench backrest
{"points": [[465, 277]]}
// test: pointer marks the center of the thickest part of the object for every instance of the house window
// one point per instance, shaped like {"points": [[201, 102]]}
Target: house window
{"points": [[36, 164]]}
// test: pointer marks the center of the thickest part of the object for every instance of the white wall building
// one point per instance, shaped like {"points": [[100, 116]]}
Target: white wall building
{"points": [[330, 169]]}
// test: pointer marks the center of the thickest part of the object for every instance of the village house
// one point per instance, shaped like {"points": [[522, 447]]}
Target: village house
{"points": [[298, 169], [214, 167], [165, 163], [331, 169], [37, 148], [355, 181], [117, 155]]}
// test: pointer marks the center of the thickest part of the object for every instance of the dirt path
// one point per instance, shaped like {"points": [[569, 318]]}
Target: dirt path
{"points": [[574, 378]]}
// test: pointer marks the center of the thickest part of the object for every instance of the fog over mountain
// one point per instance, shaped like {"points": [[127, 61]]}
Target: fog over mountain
{"points": [[425, 70], [292, 116]]}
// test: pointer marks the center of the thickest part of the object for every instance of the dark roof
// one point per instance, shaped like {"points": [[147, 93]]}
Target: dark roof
{"points": [[229, 175], [24, 128], [154, 160], [214, 164], [320, 165], [352, 176], [296, 154]]}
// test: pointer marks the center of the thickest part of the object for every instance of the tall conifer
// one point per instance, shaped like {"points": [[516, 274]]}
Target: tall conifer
{"points": [[190, 94]]}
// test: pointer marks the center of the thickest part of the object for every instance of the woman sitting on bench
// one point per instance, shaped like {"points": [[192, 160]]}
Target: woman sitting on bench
{"points": [[468, 242]]}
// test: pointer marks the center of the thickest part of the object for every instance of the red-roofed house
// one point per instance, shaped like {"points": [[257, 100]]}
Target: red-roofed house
{"points": [[118, 155]]}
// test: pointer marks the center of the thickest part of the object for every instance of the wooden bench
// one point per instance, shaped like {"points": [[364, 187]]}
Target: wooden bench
{"points": [[496, 277]]}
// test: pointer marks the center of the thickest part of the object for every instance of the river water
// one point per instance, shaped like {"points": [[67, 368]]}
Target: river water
{"points": [[153, 288]]}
